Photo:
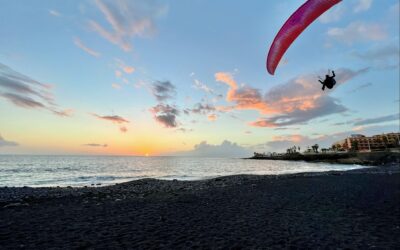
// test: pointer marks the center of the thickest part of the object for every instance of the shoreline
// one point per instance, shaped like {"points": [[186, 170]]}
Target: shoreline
{"points": [[29, 193], [347, 209], [377, 158]]}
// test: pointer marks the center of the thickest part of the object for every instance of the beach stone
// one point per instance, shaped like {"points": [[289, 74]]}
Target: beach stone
{"points": [[17, 204]]}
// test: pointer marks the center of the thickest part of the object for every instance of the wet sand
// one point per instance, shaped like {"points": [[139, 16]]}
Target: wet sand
{"points": [[357, 209]]}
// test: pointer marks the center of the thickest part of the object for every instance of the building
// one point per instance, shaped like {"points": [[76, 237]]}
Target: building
{"points": [[360, 142]]}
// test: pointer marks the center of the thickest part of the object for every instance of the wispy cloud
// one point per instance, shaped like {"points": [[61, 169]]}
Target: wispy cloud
{"points": [[88, 50], [362, 5], [333, 15], [382, 56], [124, 67], [120, 121], [358, 32], [95, 145], [5, 143], [112, 118], [199, 85], [128, 19], [54, 13], [362, 86], [295, 102], [116, 86], [26, 92], [66, 112], [380, 119]]}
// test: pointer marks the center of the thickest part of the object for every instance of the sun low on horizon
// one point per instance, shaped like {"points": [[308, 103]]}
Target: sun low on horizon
{"points": [[189, 78]]}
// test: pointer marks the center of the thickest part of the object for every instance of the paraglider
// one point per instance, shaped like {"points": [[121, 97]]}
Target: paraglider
{"points": [[329, 81], [293, 27]]}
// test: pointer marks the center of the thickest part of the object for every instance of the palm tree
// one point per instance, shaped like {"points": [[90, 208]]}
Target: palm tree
{"points": [[315, 148]]}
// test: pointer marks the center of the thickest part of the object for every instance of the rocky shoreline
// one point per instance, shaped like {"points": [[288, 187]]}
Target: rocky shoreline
{"points": [[352, 209], [361, 158]]}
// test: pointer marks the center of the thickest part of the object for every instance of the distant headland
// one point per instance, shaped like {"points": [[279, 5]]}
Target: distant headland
{"points": [[355, 149]]}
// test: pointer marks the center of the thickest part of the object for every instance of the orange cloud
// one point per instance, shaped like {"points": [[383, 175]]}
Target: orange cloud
{"points": [[129, 69], [88, 50], [297, 101], [212, 117]]}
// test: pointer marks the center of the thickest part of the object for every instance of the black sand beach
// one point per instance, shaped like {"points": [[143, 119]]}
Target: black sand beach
{"points": [[357, 210]]}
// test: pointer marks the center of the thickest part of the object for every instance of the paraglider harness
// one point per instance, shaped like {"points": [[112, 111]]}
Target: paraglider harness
{"points": [[329, 81]]}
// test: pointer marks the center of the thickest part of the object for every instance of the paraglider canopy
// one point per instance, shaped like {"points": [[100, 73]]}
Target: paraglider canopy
{"points": [[293, 27]]}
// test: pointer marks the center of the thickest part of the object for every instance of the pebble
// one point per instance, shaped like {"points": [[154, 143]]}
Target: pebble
{"points": [[17, 204]]}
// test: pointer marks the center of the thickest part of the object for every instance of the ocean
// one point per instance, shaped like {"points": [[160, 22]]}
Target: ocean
{"points": [[45, 171]]}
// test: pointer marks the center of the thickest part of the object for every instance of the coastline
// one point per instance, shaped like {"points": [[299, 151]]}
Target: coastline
{"points": [[361, 158], [355, 209]]}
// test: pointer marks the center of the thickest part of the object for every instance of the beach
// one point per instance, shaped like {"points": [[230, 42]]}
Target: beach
{"points": [[356, 209]]}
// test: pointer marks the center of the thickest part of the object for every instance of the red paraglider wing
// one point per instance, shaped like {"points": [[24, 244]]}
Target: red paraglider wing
{"points": [[293, 27]]}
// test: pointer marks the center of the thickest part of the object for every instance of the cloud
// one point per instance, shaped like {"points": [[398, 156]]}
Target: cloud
{"points": [[245, 97], [200, 108], [225, 149], [22, 101], [124, 67], [163, 90], [118, 73], [212, 117], [358, 32], [382, 56], [128, 19], [116, 86], [66, 112], [26, 92], [294, 102], [227, 78], [95, 145], [322, 106], [54, 13], [380, 119], [202, 86], [362, 5], [281, 143], [88, 50], [112, 118], [129, 69], [333, 15], [166, 115], [362, 86], [5, 143]]}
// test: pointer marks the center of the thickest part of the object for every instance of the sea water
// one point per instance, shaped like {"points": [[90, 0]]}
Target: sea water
{"points": [[37, 171]]}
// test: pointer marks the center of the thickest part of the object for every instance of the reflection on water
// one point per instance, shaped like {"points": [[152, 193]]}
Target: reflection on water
{"points": [[87, 170]]}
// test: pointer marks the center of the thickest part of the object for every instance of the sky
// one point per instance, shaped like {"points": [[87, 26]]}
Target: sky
{"points": [[149, 77]]}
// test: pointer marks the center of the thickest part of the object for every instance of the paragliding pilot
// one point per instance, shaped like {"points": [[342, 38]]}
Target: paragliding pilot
{"points": [[329, 81]]}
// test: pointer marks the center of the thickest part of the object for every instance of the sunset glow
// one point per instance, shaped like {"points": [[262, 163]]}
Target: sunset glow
{"points": [[99, 77]]}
